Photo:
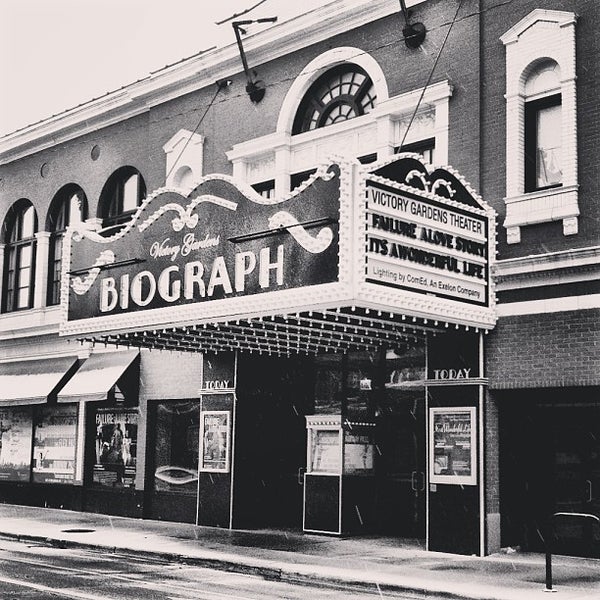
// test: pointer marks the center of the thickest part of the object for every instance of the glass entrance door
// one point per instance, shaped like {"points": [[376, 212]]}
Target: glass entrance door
{"points": [[401, 458]]}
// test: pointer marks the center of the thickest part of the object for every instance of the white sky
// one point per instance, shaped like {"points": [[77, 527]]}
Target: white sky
{"points": [[56, 54]]}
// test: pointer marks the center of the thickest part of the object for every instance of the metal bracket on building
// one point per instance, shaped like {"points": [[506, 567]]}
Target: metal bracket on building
{"points": [[414, 33], [254, 87]]}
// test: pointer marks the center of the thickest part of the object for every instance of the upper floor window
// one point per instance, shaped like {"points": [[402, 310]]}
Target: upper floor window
{"points": [[425, 148], [121, 196], [543, 131], [68, 208], [341, 93], [541, 123], [265, 188], [19, 256]]}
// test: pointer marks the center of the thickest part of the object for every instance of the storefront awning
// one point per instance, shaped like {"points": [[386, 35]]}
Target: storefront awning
{"points": [[33, 381], [98, 374]]}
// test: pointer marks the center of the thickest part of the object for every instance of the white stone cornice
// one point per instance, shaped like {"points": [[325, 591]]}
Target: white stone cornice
{"points": [[549, 305], [194, 73], [568, 266]]}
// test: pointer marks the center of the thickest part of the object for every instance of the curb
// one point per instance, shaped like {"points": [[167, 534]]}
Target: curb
{"points": [[282, 573]]}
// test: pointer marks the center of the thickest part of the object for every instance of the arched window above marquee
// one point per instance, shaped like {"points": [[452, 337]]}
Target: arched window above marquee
{"points": [[120, 198], [68, 207], [18, 235], [340, 103], [340, 94]]}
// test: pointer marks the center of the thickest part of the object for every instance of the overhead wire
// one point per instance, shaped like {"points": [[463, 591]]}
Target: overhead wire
{"points": [[283, 80], [424, 89], [195, 130]]}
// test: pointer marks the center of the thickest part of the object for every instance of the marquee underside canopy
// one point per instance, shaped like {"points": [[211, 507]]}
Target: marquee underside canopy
{"points": [[308, 332]]}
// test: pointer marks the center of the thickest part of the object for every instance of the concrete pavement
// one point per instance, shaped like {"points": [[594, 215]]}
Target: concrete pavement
{"points": [[373, 563]]}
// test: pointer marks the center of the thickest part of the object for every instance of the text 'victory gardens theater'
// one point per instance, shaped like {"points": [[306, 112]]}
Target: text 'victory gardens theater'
{"points": [[268, 301]]}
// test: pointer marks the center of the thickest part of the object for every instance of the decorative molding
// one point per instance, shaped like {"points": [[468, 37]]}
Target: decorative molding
{"points": [[376, 132], [568, 266], [184, 149], [550, 305]]}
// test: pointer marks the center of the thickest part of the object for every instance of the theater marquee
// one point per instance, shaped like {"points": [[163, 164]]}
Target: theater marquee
{"points": [[396, 238], [426, 246]]}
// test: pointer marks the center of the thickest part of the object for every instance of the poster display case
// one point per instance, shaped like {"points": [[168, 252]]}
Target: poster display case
{"points": [[452, 446], [54, 444], [215, 441], [116, 447]]}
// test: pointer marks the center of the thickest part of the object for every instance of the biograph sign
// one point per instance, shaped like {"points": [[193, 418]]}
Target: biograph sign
{"points": [[426, 245], [220, 242]]}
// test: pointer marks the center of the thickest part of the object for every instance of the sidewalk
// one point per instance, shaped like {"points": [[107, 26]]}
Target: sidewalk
{"points": [[369, 563]]}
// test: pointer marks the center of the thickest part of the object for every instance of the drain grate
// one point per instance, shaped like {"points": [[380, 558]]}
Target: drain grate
{"points": [[77, 530]]}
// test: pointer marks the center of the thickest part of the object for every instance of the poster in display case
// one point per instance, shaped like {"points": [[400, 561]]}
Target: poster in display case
{"points": [[338, 447], [325, 452], [452, 445], [215, 441], [55, 443], [116, 447], [16, 433]]}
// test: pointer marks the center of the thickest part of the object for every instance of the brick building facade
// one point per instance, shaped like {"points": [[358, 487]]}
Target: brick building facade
{"points": [[486, 92]]}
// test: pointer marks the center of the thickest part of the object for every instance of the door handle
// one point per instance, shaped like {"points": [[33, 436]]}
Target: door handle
{"points": [[301, 471], [417, 481], [589, 490]]}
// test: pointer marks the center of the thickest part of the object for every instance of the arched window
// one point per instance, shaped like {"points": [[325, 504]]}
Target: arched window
{"points": [[342, 93], [543, 128], [68, 208], [19, 256], [120, 197]]}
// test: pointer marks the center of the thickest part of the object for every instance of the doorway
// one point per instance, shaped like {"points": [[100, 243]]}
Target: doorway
{"points": [[550, 463], [401, 460], [273, 397]]}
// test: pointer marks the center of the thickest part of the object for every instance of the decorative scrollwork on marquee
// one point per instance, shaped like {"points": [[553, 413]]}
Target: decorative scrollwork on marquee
{"points": [[314, 245], [185, 216], [81, 286]]}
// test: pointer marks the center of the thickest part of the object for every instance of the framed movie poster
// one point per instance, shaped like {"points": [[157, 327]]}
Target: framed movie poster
{"points": [[16, 434], [215, 441], [116, 447], [452, 445], [55, 444]]}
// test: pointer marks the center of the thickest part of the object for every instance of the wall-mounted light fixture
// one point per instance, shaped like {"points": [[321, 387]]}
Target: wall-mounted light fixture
{"points": [[414, 33], [254, 87]]}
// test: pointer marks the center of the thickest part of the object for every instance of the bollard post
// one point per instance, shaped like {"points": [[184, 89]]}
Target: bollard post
{"points": [[548, 543], [548, 570]]}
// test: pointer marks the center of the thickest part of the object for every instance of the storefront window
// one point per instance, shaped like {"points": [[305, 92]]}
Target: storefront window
{"points": [[116, 447], [54, 444], [177, 447], [16, 428]]}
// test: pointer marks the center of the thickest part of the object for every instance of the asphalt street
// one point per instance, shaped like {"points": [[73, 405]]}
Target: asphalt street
{"points": [[46, 572]]}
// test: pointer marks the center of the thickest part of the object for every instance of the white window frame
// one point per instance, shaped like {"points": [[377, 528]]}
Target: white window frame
{"points": [[279, 155], [184, 153], [543, 35]]}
